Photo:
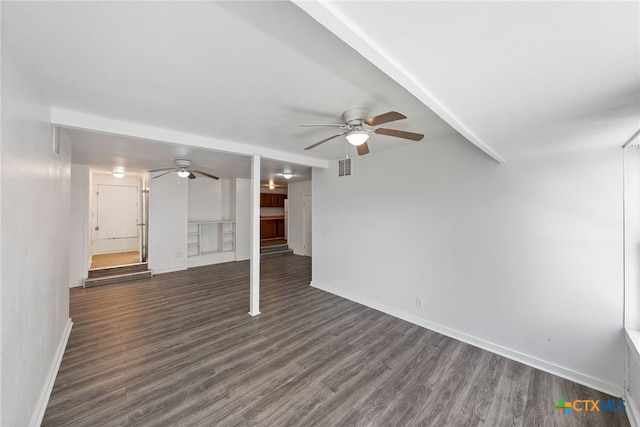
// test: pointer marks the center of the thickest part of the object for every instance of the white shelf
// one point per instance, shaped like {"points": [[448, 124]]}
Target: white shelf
{"points": [[209, 242]]}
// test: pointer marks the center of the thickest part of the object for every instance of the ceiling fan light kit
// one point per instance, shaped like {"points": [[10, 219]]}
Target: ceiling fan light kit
{"points": [[359, 125], [183, 173], [357, 137], [287, 175]]}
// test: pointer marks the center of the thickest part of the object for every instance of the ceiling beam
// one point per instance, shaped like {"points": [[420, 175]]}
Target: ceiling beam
{"points": [[328, 16], [75, 120], [634, 140]]}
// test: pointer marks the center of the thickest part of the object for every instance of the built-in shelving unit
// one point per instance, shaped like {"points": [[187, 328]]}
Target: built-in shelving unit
{"points": [[210, 242]]}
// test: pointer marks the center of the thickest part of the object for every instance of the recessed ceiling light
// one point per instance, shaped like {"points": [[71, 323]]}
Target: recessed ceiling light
{"points": [[118, 172]]}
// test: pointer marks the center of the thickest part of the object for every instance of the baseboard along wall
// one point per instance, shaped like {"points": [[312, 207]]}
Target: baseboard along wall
{"points": [[551, 368], [43, 401]]}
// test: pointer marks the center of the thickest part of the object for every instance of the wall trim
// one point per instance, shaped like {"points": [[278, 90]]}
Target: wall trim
{"points": [[76, 120], [168, 270], [43, 401], [551, 368], [633, 411], [632, 337]]}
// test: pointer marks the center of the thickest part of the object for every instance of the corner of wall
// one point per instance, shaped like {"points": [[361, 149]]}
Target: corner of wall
{"points": [[43, 401]]}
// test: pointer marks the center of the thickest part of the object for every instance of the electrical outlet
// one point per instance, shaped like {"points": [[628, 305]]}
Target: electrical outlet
{"points": [[419, 302]]}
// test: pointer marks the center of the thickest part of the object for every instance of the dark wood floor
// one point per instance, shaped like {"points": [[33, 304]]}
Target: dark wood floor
{"points": [[181, 350]]}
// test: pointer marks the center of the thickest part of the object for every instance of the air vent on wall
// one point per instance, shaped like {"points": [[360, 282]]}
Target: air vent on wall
{"points": [[344, 167]]}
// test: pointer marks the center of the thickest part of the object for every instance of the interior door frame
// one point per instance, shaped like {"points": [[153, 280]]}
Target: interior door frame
{"points": [[102, 177], [307, 221]]}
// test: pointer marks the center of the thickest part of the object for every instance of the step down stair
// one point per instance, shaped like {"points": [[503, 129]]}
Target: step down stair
{"points": [[275, 250], [124, 273]]}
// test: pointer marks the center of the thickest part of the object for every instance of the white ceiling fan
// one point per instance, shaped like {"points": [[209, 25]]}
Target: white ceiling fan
{"points": [[359, 125], [183, 169]]}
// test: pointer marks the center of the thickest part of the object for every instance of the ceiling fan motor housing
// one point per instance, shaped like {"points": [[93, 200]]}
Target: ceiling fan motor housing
{"points": [[356, 116], [182, 163]]}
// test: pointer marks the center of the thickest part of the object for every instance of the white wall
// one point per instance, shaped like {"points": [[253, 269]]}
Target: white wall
{"points": [[243, 219], [632, 236], [228, 199], [523, 258], [269, 211], [174, 201], [296, 192], [79, 225], [632, 275], [168, 223], [205, 199], [34, 314]]}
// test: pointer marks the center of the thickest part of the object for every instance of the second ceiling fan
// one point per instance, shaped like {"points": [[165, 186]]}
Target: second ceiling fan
{"points": [[359, 125], [183, 169]]}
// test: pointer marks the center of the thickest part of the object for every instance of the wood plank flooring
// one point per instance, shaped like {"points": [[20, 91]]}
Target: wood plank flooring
{"points": [[114, 259], [272, 242], [180, 350]]}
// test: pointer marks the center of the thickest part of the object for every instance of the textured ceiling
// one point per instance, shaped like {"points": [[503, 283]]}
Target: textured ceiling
{"points": [[106, 151], [246, 72], [512, 77]]}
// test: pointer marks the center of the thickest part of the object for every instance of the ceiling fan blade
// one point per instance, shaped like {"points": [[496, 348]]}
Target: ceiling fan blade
{"points": [[162, 174], [205, 174], [362, 149], [162, 170], [343, 126], [399, 134], [324, 140], [191, 176], [391, 116]]}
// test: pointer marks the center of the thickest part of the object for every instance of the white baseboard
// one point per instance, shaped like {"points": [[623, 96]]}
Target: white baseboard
{"points": [[551, 368], [168, 270], [43, 401]]}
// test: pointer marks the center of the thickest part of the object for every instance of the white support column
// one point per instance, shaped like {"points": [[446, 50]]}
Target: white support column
{"points": [[254, 257]]}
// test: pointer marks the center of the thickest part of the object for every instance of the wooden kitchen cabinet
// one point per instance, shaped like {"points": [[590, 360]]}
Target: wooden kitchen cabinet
{"points": [[270, 200], [268, 229], [272, 228]]}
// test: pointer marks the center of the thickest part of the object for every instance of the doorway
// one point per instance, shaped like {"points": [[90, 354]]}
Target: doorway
{"points": [[118, 221]]}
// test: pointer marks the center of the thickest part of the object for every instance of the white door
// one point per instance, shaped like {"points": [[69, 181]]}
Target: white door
{"points": [[306, 225], [116, 218]]}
